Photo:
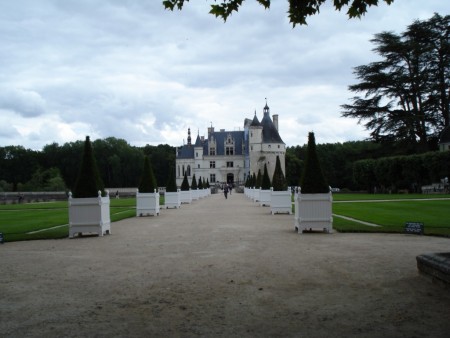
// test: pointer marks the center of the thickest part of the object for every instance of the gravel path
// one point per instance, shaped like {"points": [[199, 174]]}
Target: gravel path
{"points": [[221, 268]]}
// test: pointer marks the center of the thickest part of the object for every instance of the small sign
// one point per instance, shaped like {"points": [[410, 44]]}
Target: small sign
{"points": [[2, 240], [414, 228]]}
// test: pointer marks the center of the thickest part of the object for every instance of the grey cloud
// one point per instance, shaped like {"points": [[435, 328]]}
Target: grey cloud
{"points": [[26, 103]]}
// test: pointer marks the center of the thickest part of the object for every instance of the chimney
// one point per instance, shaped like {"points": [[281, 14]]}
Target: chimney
{"points": [[275, 120]]}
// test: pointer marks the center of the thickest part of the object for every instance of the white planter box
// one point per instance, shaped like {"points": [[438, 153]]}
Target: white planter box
{"points": [[147, 203], [264, 198], [314, 212], [194, 194], [255, 196], [89, 215], [172, 199], [186, 196], [281, 202]]}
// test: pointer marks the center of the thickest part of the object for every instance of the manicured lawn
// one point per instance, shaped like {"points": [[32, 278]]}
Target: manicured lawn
{"points": [[18, 220], [392, 215]]}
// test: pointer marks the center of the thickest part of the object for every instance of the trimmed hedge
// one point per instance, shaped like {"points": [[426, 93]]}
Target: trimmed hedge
{"points": [[279, 182], [313, 181], [148, 180], [265, 183], [88, 181], [171, 185], [185, 184]]}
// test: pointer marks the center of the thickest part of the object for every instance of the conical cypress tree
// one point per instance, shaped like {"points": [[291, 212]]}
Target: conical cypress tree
{"points": [[88, 182], [148, 180], [185, 183], [313, 181], [278, 181], [194, 183], [253, 180], [171, 185], [247, 182], [258, 179], [207, 183], [265, 183], [200, 183]]}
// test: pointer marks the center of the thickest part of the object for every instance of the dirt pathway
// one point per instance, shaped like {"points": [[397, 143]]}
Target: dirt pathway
{"points": [[224, 268]]}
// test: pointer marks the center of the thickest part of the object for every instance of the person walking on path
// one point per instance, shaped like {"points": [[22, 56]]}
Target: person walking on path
{"points": [[225, 191]]}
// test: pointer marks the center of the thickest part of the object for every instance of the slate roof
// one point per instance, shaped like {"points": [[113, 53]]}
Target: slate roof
{"points": [[270, 133]]}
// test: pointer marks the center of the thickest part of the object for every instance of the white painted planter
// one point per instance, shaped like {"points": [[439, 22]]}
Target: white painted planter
{"points": [[264, 197], [147, 203], [172, 199], [255, 196], [194, 194], [186, 196], [281, 202], [89, 215], [314, 212]]}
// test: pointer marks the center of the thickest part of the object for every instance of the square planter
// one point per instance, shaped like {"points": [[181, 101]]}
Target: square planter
{"points": [[147, 203], [89, 215], [195, 194], [172, 199], [314, 212], [186, 196], [255, 196], [281, 202], [264, 198]]}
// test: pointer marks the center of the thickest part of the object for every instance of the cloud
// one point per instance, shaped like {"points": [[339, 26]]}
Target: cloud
{"points": [[26, 103]]}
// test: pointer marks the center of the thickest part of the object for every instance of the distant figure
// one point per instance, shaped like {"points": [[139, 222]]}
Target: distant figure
{"points": [[230, 187], [225, 191], [117, 194]]}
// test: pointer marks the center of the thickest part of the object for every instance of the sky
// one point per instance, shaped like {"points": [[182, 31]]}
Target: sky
{"points": [[130, 69]]}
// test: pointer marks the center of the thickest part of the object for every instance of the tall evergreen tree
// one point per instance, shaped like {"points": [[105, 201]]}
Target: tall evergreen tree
{"points": [[88, 182], [185, 184], [148, 181], [171, 185], [279, 181], [265, 183], [194, 183], [258, 180], [200, 183], [313, 180]]}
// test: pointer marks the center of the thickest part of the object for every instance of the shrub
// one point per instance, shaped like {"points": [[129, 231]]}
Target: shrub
{"points": [[88, 181], [171, 185], [258, 180], [185, 183], [313, 180], [265, 183], [194, 183], [200, 183], [279, 181], [148, 180]]}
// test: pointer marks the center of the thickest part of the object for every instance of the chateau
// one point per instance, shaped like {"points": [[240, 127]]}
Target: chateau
{"points": [[231, 156]]}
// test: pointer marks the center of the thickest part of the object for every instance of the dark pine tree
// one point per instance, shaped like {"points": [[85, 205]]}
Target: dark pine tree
{"points": [[278, 181], [194, 183], [185, 184], [313, 181], [148, 181], [88, 182], [171, 185], [265, 183]]}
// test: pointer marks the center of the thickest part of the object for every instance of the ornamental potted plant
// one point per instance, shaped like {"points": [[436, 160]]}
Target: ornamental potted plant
{"points": [[147, 195], [280, 199], [185, 193], [314, 201], [258, 182], [172, 197], [194, 189], [200, 188], [89, 204], [264, 193]]}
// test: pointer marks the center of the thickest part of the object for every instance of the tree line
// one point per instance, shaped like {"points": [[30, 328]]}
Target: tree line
{"points": [[55, 167]]}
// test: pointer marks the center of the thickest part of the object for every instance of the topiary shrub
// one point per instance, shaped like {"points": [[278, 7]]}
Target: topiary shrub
{"points": [[88, 181], [200, 183], [313, 181], [148, 180], [253, 181], [207, 183], [265, 183], [171, 185], [258, 180], [185, 184], [194, 183], [278, 181]]}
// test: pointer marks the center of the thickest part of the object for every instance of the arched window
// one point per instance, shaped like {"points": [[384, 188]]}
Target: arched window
{"points": [[178, 172], [184, 171], [189, 170]]}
